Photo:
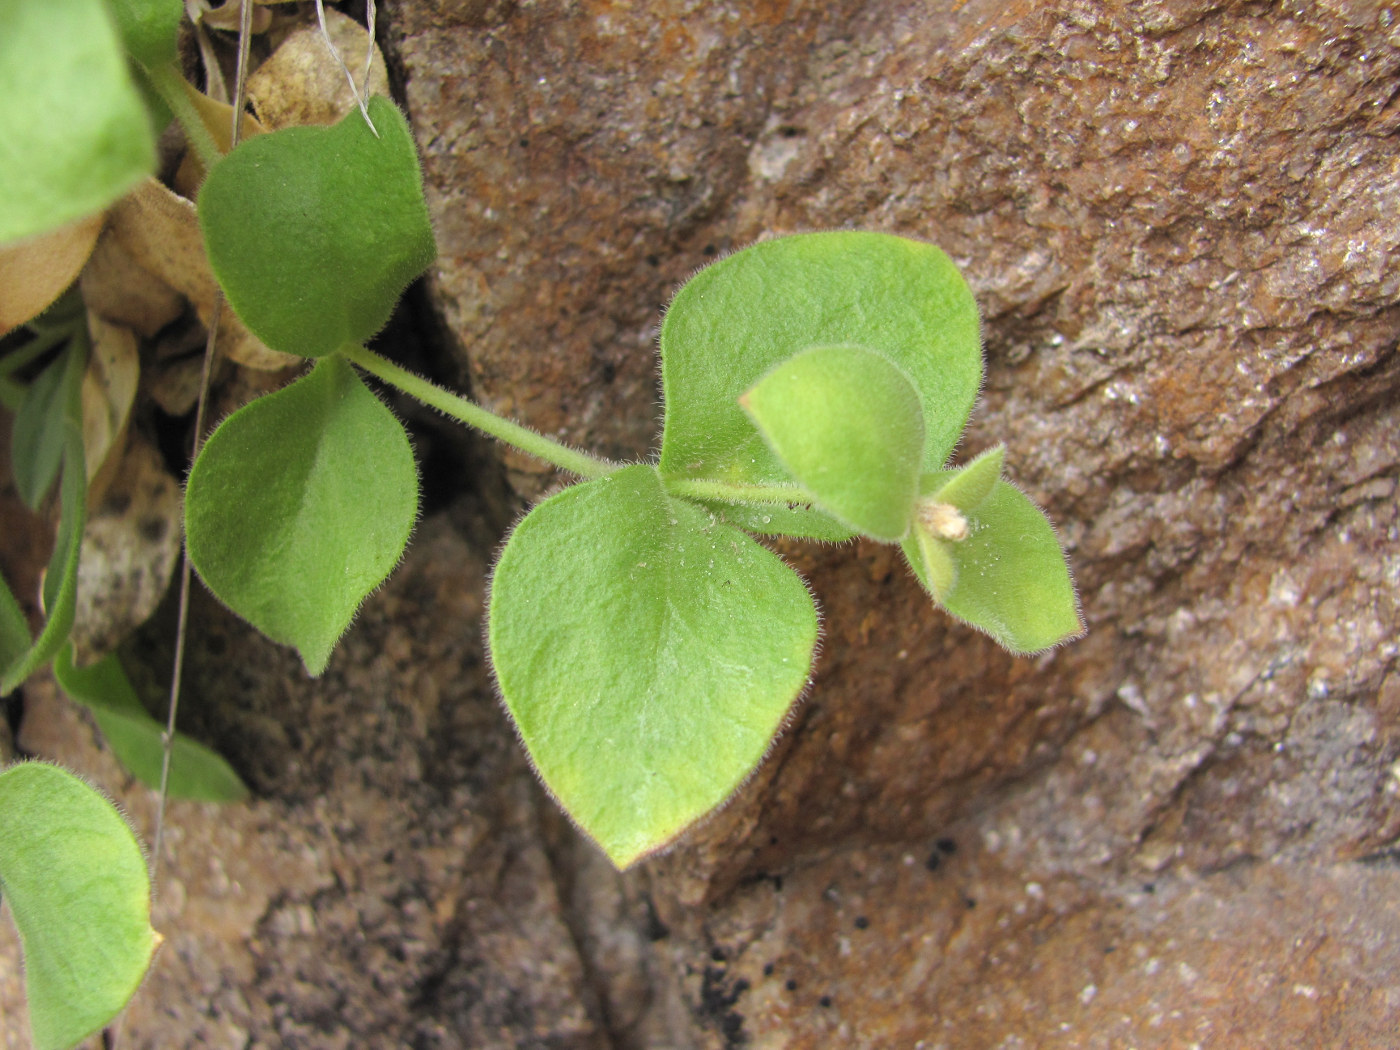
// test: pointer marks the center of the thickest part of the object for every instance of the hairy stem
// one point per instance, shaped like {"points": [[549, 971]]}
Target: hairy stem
{"points": [[170, 85], [472, 414]]}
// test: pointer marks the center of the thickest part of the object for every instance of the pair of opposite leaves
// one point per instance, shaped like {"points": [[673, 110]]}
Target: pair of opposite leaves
{"points": [[646, 645]]}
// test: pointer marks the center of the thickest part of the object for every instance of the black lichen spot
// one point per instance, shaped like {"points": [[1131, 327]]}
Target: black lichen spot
{"points": [[824, 1001], [969, 903], [862, 923], [767, 969], [934, 859], [717, 955], [947, 845], [790, 985], [1149, 887], [709, 249], [717, 999]]}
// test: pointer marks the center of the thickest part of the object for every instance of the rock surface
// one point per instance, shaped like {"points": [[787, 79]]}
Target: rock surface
{"points": [[1179, 219]]}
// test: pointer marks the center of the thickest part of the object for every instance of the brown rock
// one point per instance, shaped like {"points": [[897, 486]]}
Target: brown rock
{"points": [[1178, 217]]}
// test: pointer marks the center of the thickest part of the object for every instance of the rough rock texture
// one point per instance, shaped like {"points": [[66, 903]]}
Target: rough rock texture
{"points": [[1179, 218]]}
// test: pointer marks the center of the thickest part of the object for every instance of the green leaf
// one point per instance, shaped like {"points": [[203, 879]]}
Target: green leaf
{"points": [[61, 579], [742, 316], [149, 28], [847, 424], [76, 883], [37, 434], [1011, 579], [15, 639], [968, 486], [647, 652], [314, 232], [931, 558], [73, 133], [135, 737], [781, 519], [299, 505]]}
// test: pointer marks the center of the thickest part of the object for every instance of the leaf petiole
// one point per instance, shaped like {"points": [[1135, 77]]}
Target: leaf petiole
{"points": [[170, 86], [475, 415]]}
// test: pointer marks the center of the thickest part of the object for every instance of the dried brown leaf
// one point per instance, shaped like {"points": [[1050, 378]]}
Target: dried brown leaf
{"points": [[116, 288], [34, 272], [159, 229], [130, 545], [108, 391], [303, 83]]}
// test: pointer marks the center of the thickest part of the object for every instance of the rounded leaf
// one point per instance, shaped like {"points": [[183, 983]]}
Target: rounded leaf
{"points": [[648, 654], [742, 316], [75, 880], [74, 135], [847, 424], [315, 232], [299, 505]]}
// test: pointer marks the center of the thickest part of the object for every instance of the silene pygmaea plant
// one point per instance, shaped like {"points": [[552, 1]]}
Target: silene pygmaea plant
{"points": [[647, 645]]}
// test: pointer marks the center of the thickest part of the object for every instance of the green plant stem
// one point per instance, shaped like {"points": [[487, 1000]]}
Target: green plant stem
{"points": [[704, 488], [170, 85], [31, 351], [472, 414]]}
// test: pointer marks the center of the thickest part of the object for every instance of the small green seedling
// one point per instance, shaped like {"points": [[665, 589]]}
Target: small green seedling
{"points": [[647, 647]]}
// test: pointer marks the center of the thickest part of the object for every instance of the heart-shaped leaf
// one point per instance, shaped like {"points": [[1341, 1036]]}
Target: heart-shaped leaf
{"points": [[300, 504], [74, 135], [647, 652], [136, 738], [315, 232], [75, 880], [745, 314], [847, 424], [1009, 576]]}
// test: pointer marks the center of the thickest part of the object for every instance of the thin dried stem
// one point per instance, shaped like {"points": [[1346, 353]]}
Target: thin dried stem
{"points": [[355, 89]]}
